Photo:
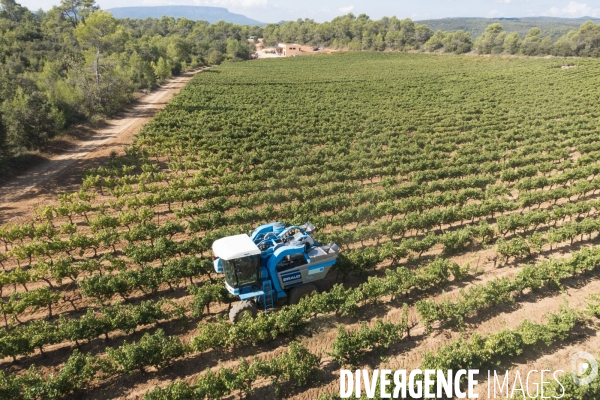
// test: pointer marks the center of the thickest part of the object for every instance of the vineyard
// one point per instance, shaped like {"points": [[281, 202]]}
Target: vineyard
{"points": [[464, 192]]}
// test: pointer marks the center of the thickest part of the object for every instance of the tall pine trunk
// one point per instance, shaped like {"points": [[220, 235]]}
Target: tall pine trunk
{"points": [[97, 72]]}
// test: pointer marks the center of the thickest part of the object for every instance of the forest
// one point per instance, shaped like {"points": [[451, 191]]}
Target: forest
{"points": [[76, 63], [362, 33], [551, 26]]}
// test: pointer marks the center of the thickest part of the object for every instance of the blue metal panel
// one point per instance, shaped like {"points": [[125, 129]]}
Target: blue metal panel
{"points": [[218, 266], [260, 231], [277, 256], [263, 273], [291, 276], [251, 295], [281, 252], [231, 290]]}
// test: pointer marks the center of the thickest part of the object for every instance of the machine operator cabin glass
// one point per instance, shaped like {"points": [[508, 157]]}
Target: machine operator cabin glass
{"points": [[241, 271]]}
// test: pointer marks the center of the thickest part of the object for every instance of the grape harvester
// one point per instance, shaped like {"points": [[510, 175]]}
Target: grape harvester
{"points": [[273, 265]]}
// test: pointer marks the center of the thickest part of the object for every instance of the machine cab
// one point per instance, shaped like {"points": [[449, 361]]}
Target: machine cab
{"points": [[239, 259]]}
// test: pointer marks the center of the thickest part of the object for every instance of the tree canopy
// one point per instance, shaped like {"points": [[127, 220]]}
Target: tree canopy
{"points": [[76, 62]]}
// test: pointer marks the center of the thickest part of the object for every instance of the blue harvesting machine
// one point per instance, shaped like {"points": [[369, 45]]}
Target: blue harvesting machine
{"points": [[275, 264]]}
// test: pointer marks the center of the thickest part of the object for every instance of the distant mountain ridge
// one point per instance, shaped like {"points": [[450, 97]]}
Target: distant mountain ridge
{"points": [[209, 14], [550, 26]]}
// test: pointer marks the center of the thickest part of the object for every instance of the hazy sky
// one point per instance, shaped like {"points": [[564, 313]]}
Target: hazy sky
{"points": [[323, 10]]}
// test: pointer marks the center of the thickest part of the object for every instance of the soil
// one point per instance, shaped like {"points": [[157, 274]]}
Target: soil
{"points": [[62, 171]]}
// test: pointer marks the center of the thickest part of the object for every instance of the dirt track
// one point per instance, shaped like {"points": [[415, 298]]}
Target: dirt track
{"points": [[63, 171]]}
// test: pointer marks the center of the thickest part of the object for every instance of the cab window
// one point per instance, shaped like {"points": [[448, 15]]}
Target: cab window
{"points": [[241, 271]]}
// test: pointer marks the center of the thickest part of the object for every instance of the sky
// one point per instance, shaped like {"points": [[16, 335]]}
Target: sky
{"points": [[325, 10]]}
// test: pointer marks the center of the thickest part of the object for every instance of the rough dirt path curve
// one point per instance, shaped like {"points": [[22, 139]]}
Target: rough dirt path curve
{"points": [[63, 172]]}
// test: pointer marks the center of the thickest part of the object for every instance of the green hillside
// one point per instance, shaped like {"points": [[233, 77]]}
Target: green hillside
{"points": [[550, 26]]}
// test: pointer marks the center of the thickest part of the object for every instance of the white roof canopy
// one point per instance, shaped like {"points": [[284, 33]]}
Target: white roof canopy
{"points": [[237, 246]]}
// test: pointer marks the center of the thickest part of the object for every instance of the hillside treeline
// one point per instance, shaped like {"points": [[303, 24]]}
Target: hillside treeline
{"points": [[553, 27], [75, 63], [362, 33]]}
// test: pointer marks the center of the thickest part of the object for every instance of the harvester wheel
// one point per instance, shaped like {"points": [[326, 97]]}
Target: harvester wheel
{"points": [[299, 292], [242, 308]]}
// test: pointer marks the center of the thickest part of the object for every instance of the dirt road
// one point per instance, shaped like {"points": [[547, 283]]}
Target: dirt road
{"points": [[63, 171]]}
